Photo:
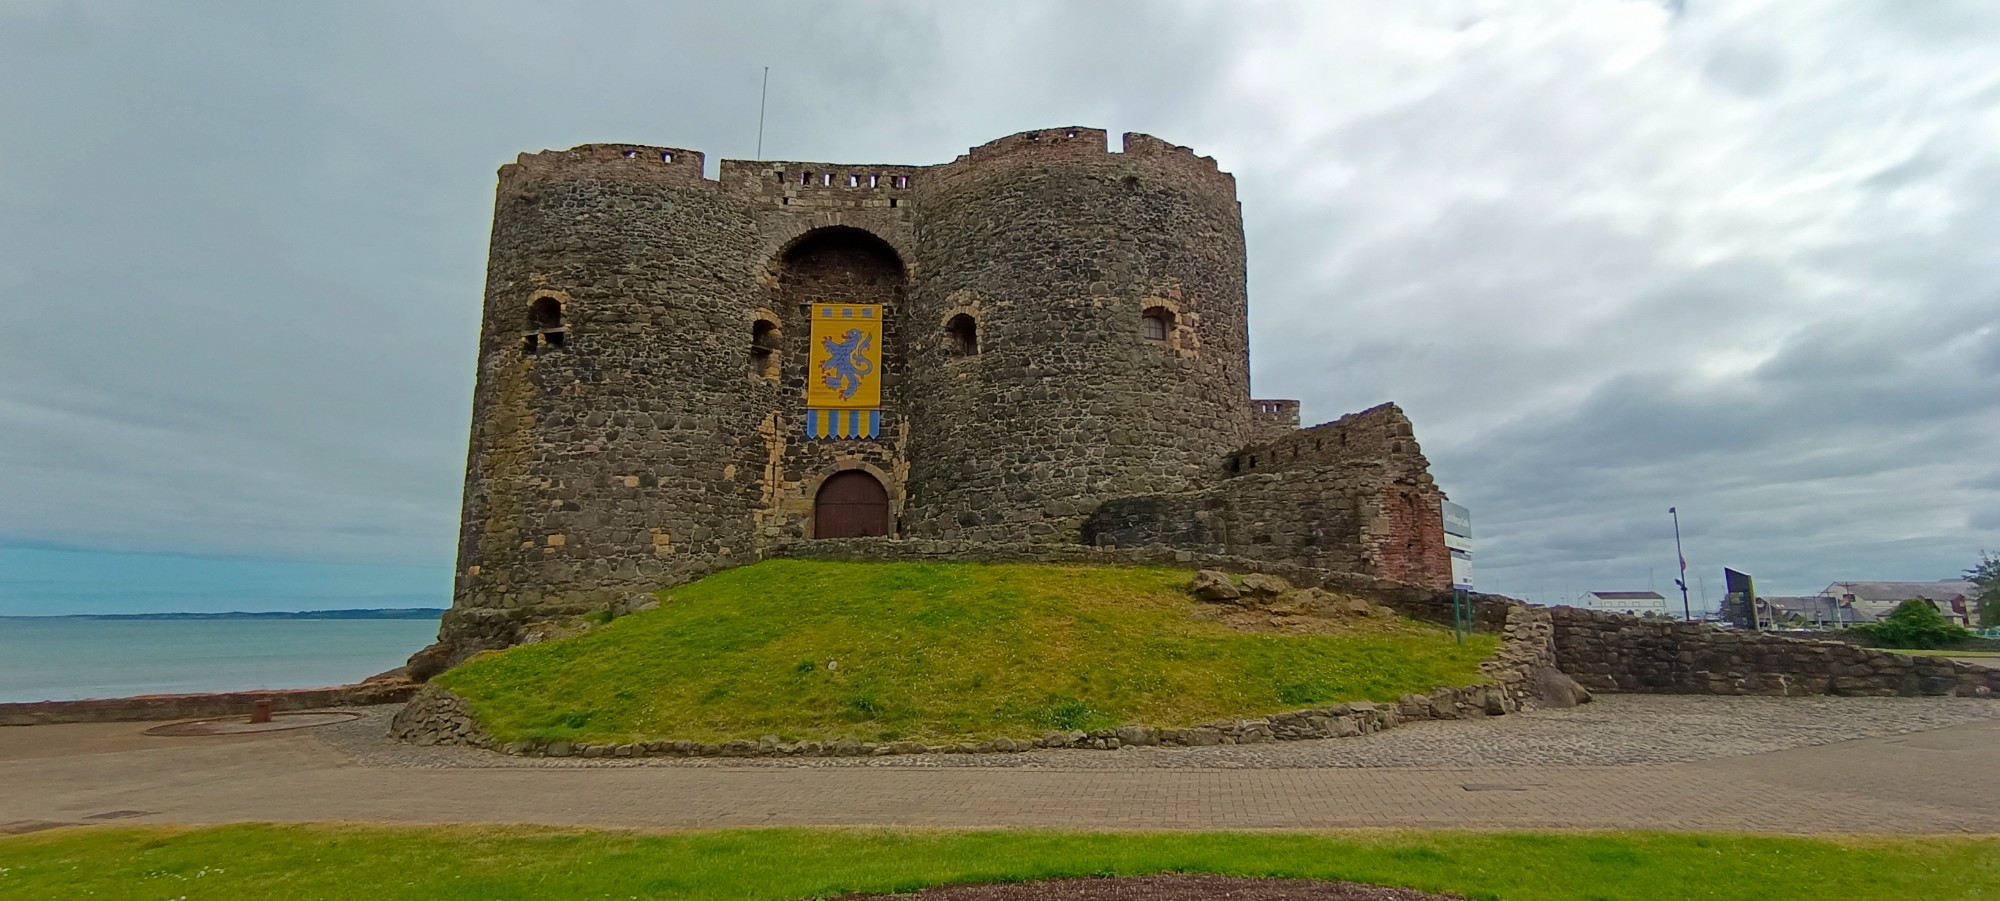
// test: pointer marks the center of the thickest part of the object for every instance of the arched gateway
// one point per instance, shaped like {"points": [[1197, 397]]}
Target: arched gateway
{"points": [[851, 504]]}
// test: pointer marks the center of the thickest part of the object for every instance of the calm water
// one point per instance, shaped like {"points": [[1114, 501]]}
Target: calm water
{"points": [[64, 659]]}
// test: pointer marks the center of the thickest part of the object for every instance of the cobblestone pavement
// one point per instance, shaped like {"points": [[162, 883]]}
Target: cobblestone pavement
{"points": [[1771, 765]]}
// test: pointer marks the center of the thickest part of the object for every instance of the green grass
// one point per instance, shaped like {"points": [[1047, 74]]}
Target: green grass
{"points": [[299, 863], [1941, 652], [809, 650]]}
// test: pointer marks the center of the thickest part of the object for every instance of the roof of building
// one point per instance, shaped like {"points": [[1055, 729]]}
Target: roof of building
{"points": [[1627, 595], [1818, 609], [1942, 590]]}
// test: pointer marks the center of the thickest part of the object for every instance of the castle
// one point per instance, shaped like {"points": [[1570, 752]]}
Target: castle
{"points": [[1042, 343]]}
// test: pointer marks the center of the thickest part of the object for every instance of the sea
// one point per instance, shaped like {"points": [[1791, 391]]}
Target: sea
{"points": [[62, 659]]}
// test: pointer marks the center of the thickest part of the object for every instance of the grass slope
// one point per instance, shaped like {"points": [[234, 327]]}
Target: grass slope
{"points": [[810, 650], [441, 863]]}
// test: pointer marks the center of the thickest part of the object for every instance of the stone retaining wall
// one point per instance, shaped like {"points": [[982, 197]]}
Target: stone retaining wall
{"points": [[1614, 652], [196, 706]]}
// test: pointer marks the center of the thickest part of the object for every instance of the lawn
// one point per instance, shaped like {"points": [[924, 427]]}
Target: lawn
{"points": [[299, 863], [813, 650]]}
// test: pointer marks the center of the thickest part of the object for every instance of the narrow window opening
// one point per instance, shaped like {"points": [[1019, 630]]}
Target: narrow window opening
{"points": [[631, 154], [1156, 323], [781, 176], [853, 181], [962, 334], [1235, 464], [666, 156], [900, 181], [826, 179], [545, 325], [1253, 462], [873, 181], [765, 341], [805, 178], [786, 202], [545, 313], [1072, 133], [892, 202]]}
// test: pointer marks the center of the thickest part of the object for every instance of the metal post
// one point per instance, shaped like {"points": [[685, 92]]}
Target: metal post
{"points": [[1687, 611], [762, 94]]}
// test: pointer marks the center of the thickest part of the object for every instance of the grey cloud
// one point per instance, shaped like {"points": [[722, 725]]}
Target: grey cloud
{"points": [[1609, 260]]}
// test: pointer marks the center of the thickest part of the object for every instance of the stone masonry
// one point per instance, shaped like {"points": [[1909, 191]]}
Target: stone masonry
{"points": [[1065, 361]]}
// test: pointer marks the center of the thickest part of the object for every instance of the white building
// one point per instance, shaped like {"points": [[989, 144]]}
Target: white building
{"points": [[1636, 603]]}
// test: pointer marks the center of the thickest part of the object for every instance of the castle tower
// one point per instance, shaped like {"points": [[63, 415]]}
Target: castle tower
{"points": [[606, 437], [1107, 291], [1035, 327]]}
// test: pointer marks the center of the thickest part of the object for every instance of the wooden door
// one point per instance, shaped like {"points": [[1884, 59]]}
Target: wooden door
{"points": [[851, 504]]}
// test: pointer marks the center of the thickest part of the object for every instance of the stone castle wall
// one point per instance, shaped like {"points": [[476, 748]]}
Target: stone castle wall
{"points": [[1352, 495], [643, 359]]}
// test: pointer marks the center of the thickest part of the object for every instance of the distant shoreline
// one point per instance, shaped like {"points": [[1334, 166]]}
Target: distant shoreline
{"points": [[373, 613]]}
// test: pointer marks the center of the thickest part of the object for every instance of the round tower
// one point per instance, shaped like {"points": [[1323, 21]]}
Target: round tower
{"points": [[1078, 332], [614, 428]]}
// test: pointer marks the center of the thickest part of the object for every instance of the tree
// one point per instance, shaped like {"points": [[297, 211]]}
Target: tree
{"points": [[1916, 624], [1987, 576]]}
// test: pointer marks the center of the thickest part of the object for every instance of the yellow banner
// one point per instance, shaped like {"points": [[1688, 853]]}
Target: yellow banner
{"points": [[846, 357]]}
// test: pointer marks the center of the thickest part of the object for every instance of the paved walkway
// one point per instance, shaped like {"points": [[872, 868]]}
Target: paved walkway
{"points": [[1919, 781]]}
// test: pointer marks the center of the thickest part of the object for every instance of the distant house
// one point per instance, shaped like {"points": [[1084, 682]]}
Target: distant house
{"points": [[1957, 599], [1637, 603]]}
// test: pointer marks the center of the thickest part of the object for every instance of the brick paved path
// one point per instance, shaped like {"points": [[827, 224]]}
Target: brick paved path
{"points": [[1916, 782]]}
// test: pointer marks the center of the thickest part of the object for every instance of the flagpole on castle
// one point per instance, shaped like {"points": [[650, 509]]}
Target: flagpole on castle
{"points": [[1687, 612]]}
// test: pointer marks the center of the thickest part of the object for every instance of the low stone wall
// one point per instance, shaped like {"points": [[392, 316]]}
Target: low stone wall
{"points": [[1613, 652], [1520, 678], [197, 706], [438, 717]]}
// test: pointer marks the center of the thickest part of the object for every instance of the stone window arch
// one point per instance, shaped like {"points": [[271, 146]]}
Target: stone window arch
{"points": [[1156, 323], [766, 347], [962, 335], [545, 324]]}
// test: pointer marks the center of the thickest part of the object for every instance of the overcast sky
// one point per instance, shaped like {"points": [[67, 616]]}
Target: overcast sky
{"points": [[1740, 257]]}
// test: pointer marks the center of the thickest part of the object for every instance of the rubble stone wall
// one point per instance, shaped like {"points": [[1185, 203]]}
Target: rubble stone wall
{"points": [[1615, 652], [1352, 495]]}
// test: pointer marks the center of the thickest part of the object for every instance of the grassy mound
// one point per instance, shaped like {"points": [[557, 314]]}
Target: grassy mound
{"points": [[809, 650]]}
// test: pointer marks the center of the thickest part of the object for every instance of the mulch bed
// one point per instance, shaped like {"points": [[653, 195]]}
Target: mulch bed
{"points": [[1166, 887]]}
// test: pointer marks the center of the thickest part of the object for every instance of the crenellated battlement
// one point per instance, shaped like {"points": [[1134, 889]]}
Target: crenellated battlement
{"points": [[821, 185], [640, 162]]}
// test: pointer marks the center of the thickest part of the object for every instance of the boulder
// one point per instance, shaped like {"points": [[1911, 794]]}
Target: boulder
{"points": [[1262, 585], [1214, 585], [1558, 691]]}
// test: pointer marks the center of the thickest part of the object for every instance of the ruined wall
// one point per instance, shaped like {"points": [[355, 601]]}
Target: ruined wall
{"points": [[1058, 248], [1351, 495]]}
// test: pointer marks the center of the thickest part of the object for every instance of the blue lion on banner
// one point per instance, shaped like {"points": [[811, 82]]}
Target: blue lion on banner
{"points": [[847, 367]]}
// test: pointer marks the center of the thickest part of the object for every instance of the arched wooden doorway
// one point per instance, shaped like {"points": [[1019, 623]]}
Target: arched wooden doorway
{"points": [[851, 504]]}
